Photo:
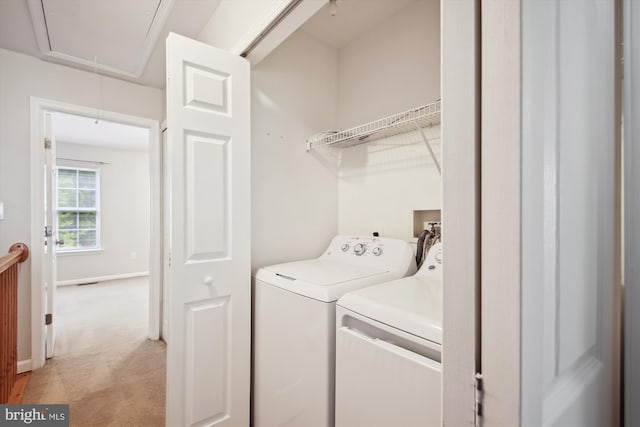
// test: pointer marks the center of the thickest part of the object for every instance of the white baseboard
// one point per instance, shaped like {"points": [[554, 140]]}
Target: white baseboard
{"points": [[24, 366], [101, 278]]}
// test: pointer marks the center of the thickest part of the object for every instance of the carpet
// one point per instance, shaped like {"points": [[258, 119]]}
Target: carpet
{"points": [[104, 367]]}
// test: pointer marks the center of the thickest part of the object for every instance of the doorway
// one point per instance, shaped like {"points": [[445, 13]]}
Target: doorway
{"points": [[86, 235], [100, 193]]}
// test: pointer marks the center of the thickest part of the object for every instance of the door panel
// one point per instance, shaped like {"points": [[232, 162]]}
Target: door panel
{"points": [[632, 210], [207, 341], [370, 393], [209, 277], [569, 210], [207, 196]]}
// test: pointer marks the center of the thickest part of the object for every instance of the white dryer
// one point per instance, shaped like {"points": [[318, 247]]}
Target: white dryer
{"points": [[294, 326], [388, 351]]}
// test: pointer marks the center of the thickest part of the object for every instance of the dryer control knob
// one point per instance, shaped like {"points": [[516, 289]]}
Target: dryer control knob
{"points": [[344, 247], [360, 249], [377, 251]]}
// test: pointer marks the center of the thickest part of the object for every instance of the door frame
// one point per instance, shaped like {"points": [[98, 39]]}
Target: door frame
{"points": [[631, 26], [38, 108], [460, 79]]}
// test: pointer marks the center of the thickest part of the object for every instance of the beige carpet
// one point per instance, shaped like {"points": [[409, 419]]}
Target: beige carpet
{"points": [[104, 366]]}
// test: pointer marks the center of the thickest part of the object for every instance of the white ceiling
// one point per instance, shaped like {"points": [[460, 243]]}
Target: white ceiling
{"points": [[126, 36], [353, 18], [85, 131], [98, 22]]}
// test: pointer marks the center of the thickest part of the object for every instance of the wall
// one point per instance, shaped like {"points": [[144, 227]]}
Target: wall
{"points": [[300, 200], [392, 67], [294, 194], [21, 77], [124, 214], [235, 22]]}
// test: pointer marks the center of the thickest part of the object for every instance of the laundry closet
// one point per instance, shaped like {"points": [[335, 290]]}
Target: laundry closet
{"points": [[373, 59], [346, 142]]}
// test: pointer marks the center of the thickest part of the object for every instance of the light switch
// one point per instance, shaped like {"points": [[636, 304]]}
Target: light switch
{"points": [[1, 210]]}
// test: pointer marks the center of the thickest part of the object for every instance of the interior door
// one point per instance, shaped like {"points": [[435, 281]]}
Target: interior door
{"points": [[209, 274], [49, 265], [570, 215]]}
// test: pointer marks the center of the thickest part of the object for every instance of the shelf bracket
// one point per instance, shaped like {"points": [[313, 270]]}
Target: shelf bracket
{"points": [[428, 144]]}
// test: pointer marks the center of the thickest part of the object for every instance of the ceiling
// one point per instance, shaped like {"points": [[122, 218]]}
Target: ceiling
{"points": [[85, 131], [352, 18], [125, 38], [122, 38]]}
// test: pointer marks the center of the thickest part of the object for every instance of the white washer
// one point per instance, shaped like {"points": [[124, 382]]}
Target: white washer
{"points": [[294, 326], [388, 351]]}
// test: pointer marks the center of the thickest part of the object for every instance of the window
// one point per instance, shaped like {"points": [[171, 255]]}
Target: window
{"points": [[77, 207]]}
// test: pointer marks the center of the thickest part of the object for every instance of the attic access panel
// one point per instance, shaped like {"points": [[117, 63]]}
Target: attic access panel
{"points": [[121, 34]]}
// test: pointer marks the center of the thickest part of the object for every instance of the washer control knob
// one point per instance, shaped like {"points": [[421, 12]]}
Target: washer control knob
{"points": [[344, 247], [360, 249], [377, 251]]}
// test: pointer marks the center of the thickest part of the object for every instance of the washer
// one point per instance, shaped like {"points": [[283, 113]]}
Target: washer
{"points": [[294, 325], [388, 351]]}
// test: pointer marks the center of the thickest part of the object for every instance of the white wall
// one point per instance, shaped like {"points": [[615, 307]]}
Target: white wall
{"points": [[236, 22], [294, 196], [21, 77], [300, 200], [391, 68], [124, 214]]}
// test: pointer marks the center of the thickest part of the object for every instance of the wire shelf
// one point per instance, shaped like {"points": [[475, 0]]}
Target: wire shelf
{"points": [[407, 121]]}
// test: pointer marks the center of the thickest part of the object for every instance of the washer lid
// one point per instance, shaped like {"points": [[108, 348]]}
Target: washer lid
{"points": [[322, 279], [322, 272], [412, 304]]}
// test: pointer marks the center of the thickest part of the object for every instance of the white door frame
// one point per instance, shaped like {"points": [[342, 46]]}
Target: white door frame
{"points": [[460, 208], [632, 210], [461, 203], [500, 210], [38, 107]]}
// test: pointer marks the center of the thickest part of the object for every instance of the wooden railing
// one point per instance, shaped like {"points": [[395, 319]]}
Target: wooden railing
{"points": [[18, 252]]}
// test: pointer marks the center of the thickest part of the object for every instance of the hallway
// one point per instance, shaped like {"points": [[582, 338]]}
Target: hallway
{"points": [[104, 366]]}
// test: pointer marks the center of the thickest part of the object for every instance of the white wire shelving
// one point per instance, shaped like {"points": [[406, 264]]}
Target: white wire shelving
{"points": [[407, 121]]}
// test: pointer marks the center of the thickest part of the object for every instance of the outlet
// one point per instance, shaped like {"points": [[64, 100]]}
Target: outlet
{"points": [[1, 210], [134, 255]]}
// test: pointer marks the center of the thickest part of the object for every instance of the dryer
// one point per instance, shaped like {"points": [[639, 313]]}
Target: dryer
{"points": [[294, 325], [388, 351]]}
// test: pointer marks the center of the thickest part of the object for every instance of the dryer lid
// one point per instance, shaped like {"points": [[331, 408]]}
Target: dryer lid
{"points": [[412, 304], [323, 272]]}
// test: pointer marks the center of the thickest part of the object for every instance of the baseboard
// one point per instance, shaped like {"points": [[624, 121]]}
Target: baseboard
{"points": [[24, 366], [101, 278]]}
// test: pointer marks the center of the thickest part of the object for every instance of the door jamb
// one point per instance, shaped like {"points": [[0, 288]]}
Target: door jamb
{"points": [[38, 107]]}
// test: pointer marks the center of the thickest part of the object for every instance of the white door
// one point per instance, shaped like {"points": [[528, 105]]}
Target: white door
{"points": [[209, 273], [570, 240], [551, 242], [49, 265], [632, 211]]}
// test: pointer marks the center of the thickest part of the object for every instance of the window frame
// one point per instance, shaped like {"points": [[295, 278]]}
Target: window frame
{"points": [[98, 209]]}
